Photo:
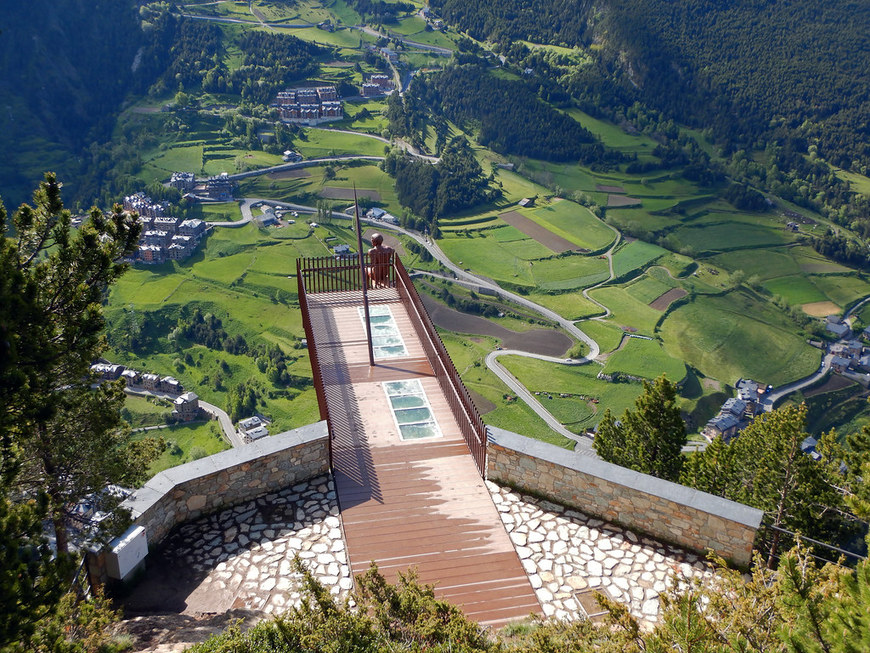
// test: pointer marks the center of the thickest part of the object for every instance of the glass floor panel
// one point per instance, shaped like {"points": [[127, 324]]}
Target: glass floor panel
{"points": [[411, 410], [386, 340], [407, 401]]}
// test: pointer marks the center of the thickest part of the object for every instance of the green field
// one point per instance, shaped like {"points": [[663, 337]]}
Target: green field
{"points": [[319, 142], [795, 289], [647, 288], [575, 223], [635, 255], [646, 359], [553, 379], [727, 235], [606, 334], [628, 312], [570, 305], [185, 443], [145, 411], [738, 336]]}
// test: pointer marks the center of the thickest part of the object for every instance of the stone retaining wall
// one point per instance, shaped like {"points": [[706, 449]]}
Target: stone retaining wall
{"points": [[667, 511], [228, 478]]}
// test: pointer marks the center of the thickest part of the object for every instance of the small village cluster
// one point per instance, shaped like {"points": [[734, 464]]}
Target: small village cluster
{"points": [[848, 354], [737, 412], [377, 85], [186, 406], [253, 428], [163, 238], [218, 188], [312, 105]]}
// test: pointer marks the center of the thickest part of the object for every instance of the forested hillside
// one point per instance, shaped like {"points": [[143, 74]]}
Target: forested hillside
{"points": [[744, 69], [66, 66]]}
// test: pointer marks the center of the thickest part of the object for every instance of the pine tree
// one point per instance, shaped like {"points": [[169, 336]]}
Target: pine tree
{"points": [[61, 440], [648, 439], [766, 468]]}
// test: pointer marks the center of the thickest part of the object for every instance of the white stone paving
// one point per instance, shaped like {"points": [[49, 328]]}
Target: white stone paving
{"points": [[564, 551], [246, 553]]}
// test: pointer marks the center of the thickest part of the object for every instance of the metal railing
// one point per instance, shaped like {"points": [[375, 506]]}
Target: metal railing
{"points": [[458, 397], [317, 377], [325, 275]]}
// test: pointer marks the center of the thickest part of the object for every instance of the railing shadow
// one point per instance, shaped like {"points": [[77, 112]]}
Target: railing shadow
{"points": [[352, 465]]}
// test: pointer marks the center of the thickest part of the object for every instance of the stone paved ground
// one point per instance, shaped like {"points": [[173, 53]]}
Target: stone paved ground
{"points": [[241, 558], [564, 551]]}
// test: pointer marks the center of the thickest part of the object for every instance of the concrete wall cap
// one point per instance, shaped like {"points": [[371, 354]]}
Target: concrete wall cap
{"points": [[593, 466]]}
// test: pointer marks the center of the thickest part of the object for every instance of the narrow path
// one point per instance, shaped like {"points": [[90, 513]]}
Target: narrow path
{"points": [[609, 256], [584, 444]]}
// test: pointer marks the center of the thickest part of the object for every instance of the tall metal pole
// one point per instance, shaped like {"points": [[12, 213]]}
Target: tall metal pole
{"points": [[363, 279]]}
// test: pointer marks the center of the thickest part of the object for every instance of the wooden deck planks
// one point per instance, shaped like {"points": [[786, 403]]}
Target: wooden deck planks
{"points": [[418, 503]]}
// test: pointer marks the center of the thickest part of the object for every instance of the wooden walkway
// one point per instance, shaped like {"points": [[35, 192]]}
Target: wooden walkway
{"points": [[413, 503]]}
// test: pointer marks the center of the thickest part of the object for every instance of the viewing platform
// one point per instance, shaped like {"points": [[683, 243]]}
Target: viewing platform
{"points": [[407, 445]]}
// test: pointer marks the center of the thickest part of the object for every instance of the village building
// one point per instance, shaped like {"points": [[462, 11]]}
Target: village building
{"points": [[309, 105], [166, 223], [840, 364], [170, 385], [267, 219], [152, 254], [724, 426], [186, 407], [250, 423], [183, 181], [751, 392], [193, 228], [164, 237], [146, 222], [219, 188], [854, 347], [176, 252], [735, 407], [107, 371], [132, 378], [341, 250], [144, 206], [255, 434], [150, 381], [377, 85], [157, 238]]}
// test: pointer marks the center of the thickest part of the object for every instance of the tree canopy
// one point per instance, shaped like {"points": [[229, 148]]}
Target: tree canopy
{"points": [[648, 439], [60, 440]]}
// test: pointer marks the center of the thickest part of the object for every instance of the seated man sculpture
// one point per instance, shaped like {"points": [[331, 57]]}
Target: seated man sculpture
{"points": [[380, 259]]}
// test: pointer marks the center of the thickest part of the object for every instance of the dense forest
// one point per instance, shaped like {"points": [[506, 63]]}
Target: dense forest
{"points": [[563, 22], [454, 184], [520, 123], [742, 69], [66, 69]]}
